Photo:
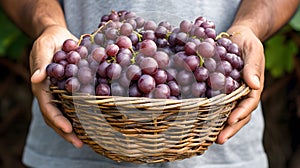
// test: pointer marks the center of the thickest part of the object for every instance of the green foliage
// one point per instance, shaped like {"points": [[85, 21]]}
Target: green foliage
{"points": [[12, 40], [281, 48]]}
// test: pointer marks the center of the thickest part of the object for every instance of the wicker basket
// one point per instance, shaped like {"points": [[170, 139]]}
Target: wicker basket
{"points": [[143, 130]]}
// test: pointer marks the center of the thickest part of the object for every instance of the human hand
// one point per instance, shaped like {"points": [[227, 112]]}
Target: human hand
{"points": [[41, 55], [253, 75]]}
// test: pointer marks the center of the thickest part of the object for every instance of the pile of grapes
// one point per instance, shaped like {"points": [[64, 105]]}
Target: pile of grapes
{"points": [[131, 56]]}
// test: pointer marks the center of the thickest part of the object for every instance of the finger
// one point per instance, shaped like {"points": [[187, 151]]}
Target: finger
{"points": [[230, 130], [254, 65], [40, 57], [245, 107]]}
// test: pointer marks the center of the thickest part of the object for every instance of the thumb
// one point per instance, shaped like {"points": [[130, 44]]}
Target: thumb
{"points": [[253, 72]]}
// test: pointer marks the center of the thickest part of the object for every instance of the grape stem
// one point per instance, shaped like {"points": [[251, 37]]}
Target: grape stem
{"points": [[222, 34]]}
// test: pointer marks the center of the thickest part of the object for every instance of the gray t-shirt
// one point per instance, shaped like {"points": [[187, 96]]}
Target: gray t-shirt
{"points": [[45, 149]]}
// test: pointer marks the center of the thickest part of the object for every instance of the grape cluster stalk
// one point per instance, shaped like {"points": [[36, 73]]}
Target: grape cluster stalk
{"points": [[128, 55]]}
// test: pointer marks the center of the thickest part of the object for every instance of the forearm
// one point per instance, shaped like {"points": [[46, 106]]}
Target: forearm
{"points": [[33, 16], [265, 17]]}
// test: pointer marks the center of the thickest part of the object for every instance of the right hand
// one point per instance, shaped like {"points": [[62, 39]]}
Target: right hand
{"points": [[41, 55]]}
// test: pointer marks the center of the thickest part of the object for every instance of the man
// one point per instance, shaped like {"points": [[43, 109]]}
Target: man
{"points": [[50, 24]]}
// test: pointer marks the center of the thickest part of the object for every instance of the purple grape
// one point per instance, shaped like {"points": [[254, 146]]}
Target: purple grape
{"points": [[123, 42], [58, 71], [149, 65], [174, 88], [206, 50], [112, 50], [190, 48], [101, 70], [99, 54], [117, 89], [184, 77], [59, 55], [201, 74], [191, 62], [71, 70], [216, 81], [133, 72], [162, 91], [72, 84], [73, 57], [69, 45], [99, 38], [161, 32], [149, 35], [89, 89], [150, 25], [114, 71], [126, 29], [210, 64], [133, 91], [198, 89], [102, 89], [181, 38], [124, 59], [162, 59], [146, 83], [185, 26], [224, 67], [148, 47], [160, 77], [85, 75], [235, 74]]}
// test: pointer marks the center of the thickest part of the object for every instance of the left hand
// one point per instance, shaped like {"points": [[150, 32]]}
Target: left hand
{"points": [[253, 74]]}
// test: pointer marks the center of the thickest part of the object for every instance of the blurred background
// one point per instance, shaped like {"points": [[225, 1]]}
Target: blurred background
{"points": [[280, 99]]}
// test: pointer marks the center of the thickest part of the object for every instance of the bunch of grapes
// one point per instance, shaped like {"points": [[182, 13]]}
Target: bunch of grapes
{"points": [[131, 56]]}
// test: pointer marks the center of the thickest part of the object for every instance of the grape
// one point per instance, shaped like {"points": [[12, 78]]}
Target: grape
{"points": [[179, 58], [208, 24], [161, 32], [198, 89], [201, 74], [123, 80], [71, 70], [72, 84], [132, 22], [59, 55], [210, 64], [206, 50], [134, 38], [49, 69], [114, 71], [101, 70], [221, 52], [162, 91], [124, 59], [149, 65], [171, 73], [73, 57], [124, 42], [126, 29], [185, 26], [210, 33], [63, 63], [150, 25], [99, 54], [233, 48], [230, 85], [99, 38], [235, 74], [139, 22], [146, 83], [90, 89], [216, 81], [199, 32], [112, 50], [162, 59], [160, 77], [85, 75], [102, 90], [134, 91], [69, 45], [111, 33], [190, 48], [133, 72], [148, 47], [117, 89], [224, 67], [225, 42], [174, 88], [58, 71], [149, 34], [181, 38], [184, 77], [191, 62], [162, 43], [83, 63]]}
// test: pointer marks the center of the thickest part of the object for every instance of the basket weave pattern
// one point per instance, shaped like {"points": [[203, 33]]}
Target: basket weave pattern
{"points": [[143, 130]]}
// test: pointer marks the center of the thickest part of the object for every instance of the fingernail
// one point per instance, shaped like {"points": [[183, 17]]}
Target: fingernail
{"points": [[256, 81]]}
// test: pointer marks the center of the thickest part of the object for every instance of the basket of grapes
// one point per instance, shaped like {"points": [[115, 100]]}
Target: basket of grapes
{"points": [[141, 91]]}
